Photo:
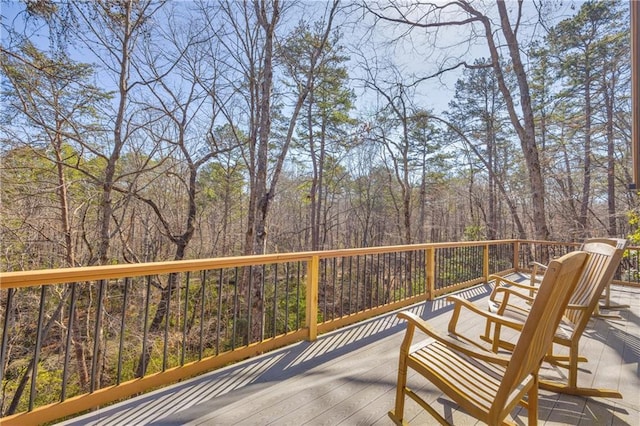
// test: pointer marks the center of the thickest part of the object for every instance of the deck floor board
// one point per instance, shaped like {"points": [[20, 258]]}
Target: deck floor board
{"points": [[347, 377]]}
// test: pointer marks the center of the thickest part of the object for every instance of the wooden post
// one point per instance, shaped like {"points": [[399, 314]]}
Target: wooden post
{"points": [[312, 298], [516, 255], [485, 263], [431, 272]]}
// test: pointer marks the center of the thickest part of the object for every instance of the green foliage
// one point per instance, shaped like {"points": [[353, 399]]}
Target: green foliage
{"points": [[634, 222], [474, 233]]}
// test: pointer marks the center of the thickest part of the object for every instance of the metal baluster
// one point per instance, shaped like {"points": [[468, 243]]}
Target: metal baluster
{"points": [[395, 275], [350, 283], [286, 298], [333, 285], [378, 279], [370, 280], [5, 330], [202, 303], [323, 283], [298, 300], [184, 325], [263, 277], [250, 268], [145, 326], [125, 301], [275, 301], [96, 335], [219, 319], [65, 367], [341, 286], [387, 267], [36, 353], [235, 310], [357, 283], [167, 317]]}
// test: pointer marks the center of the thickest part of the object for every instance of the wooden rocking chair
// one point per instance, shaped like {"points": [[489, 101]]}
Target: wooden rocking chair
{"points": [[487, 385], [539, 268], [604, 259]]}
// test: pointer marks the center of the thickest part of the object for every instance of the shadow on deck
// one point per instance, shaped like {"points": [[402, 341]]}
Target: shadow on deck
{"points": [[348, 377]]}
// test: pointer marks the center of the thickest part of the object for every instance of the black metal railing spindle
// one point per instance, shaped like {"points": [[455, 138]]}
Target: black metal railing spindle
{"points": [[219, 315], [350, 284], [145, 326], [184, 320], [203, 289], [97, 335], [67, 346], [236, 307], [125, 301], [342, 286], [274, 331], [38, 347], [286, 298], [173, 278], [358, 283], [335, 277], [5, 330], [298, 313]]}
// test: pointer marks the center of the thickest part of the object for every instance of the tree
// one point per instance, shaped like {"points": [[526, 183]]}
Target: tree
{"points": [[478, 116], [587, 50], [432, 162], [112, 31], [248, 40], [395, 122], [52, 96], [433, 17], [325, 112]]}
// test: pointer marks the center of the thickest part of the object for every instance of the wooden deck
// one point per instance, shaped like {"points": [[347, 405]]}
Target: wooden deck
{"points": [[348, 377]]}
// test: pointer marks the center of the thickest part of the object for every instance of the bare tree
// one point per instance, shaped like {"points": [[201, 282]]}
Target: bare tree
{"points": [[181, 82], [111, 31], [249, 45], [466, 15]]}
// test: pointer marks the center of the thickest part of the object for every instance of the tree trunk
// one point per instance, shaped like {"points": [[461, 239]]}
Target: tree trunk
{"points": [[526, 130], [586, 183], [611, 161]]}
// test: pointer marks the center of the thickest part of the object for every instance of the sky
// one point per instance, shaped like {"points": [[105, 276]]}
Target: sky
{"points": [[415, 56]]}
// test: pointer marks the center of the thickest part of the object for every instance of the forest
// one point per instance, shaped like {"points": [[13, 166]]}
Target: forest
{"points": [[146, 130]]}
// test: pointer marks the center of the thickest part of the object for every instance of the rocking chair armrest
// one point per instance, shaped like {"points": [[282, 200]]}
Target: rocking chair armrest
{"points": [[515, 284], [499, 279], [500, 284], [488, 316], [415, 321], [539, 265], [577, 307], [512, 292], [499, 304]]}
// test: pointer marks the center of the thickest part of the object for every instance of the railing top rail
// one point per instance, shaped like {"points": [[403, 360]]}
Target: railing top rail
{"points": [[398, 248], [563, 243], [92, 273]]}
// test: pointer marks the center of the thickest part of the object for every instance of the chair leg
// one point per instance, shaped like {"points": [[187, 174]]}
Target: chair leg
{"points": [[487, 331], [608, 305], [398, 413], [573, 366], [532, 403]]}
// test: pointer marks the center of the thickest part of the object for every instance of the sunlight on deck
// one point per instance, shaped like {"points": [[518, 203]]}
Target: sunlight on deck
{"points": [[348, 377]]}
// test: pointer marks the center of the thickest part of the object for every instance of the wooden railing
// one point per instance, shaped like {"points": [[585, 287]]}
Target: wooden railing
{"points": [[79, 338]]}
